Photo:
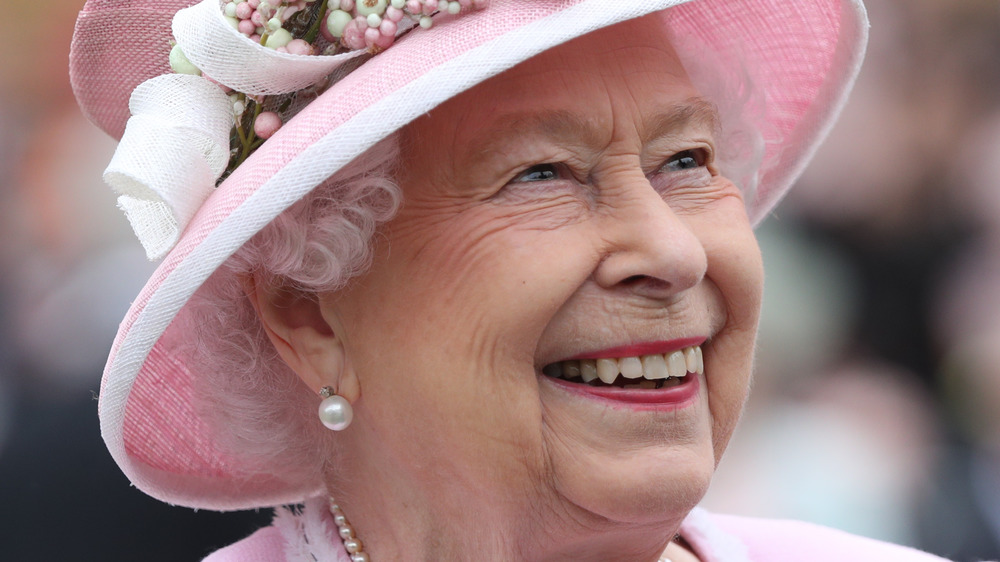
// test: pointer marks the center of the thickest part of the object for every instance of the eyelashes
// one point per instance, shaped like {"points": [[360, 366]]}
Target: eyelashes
{"points": [[686, 160], [539, 172], [680, 163]]}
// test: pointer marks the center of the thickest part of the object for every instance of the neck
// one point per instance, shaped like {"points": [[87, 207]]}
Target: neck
{"points": [[410, 511], [408, 526]]}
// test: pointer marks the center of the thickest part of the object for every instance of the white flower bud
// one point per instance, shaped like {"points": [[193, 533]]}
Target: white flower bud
{"points": [[180, 64], [337, 21], [278, 38], [368, 7]]}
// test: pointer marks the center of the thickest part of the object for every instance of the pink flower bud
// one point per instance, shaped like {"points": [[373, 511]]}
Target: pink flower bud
{"points": [[354, 36], [243, 10], [385, 41], [299, 47], [393, 14], [266, 124], [246, 27]]}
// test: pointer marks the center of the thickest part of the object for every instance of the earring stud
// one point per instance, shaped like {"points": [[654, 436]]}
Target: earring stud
{"points": [[334, 411]]}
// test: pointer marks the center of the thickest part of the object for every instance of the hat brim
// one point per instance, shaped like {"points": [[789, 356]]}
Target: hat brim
{"points": [[804, 56]]}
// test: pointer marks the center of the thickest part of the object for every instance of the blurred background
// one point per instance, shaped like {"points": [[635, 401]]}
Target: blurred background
{"points": [[876, 406]]}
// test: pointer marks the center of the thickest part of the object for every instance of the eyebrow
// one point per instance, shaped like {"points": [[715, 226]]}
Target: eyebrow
{"points": [[692, 111], [565, 125]]}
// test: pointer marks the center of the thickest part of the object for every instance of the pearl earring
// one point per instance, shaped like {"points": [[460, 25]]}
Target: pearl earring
{"points": [[334, 411]]}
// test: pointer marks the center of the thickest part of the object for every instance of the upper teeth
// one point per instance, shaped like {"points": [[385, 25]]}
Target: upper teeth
{"points": [[650, 367]]}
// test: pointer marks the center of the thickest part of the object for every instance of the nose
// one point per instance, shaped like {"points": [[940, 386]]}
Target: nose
{"points": [[651, 251]]}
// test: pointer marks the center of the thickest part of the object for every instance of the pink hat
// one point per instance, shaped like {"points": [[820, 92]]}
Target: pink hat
{"points": [[802, 57]]}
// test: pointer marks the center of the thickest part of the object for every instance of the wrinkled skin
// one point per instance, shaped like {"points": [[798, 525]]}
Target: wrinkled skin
{"points": [[570, 204]]}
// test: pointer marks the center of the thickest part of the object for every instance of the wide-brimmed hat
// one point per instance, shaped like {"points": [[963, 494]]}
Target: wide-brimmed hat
{"points": [[801, 57]]}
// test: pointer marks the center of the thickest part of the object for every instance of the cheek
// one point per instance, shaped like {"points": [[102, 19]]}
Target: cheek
{"points": [[447, 321], [500, 274], [452, 311], [735, 270]]}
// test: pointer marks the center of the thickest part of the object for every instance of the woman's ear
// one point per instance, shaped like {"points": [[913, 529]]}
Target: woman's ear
{"points": [[303, 338]]}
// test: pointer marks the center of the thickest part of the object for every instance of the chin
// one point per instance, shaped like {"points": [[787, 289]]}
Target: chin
{"points": [[632, 467], [644, 488]]}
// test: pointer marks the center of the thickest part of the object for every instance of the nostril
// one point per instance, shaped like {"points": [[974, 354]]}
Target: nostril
{"points": [[645, 283]]}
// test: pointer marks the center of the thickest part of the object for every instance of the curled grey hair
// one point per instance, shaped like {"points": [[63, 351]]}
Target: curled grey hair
{"points": [[261, 412]]}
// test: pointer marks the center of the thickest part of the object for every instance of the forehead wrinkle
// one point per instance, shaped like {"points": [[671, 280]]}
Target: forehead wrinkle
{"points": [[567, 126], [556, 124]]}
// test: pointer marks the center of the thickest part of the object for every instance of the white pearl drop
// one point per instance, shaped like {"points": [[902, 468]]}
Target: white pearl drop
{"points": [[336, 413]]}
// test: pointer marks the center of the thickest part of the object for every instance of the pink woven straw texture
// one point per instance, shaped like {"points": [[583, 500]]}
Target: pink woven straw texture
{"points": [[799, 52]]}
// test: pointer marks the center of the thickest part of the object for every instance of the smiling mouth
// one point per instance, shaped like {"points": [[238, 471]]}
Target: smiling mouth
{"points": [[638, 372]]}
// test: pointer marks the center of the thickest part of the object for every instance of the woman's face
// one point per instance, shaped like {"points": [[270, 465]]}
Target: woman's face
{"points": [[569, 208]]}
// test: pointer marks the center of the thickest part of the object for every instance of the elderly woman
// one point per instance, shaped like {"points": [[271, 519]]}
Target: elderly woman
{"points": [[505, 248]]}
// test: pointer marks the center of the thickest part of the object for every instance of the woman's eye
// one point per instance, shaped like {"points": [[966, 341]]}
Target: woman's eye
{"points": [[687, 160], [540, 172]]}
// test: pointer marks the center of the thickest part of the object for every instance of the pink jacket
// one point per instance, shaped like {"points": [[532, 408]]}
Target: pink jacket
{"points": [[715, 538]]}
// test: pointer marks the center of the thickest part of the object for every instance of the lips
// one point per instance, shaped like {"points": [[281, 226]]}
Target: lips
{"points": [[649, 371]]}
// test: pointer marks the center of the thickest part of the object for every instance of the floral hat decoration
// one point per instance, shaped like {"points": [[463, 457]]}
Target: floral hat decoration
{"points": [[230, 111]]}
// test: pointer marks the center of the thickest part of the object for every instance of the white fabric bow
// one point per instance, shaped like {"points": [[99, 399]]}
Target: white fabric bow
{"points": [[176, 144]]}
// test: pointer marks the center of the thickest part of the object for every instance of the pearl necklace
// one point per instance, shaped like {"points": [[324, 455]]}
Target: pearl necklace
{"points": [[354, 546]]}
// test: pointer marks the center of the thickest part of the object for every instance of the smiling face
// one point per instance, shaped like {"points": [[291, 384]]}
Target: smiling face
{"points": [[567, 209]]}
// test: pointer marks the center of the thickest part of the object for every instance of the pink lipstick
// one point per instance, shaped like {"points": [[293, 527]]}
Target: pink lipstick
{"points": [[668, 398]]}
